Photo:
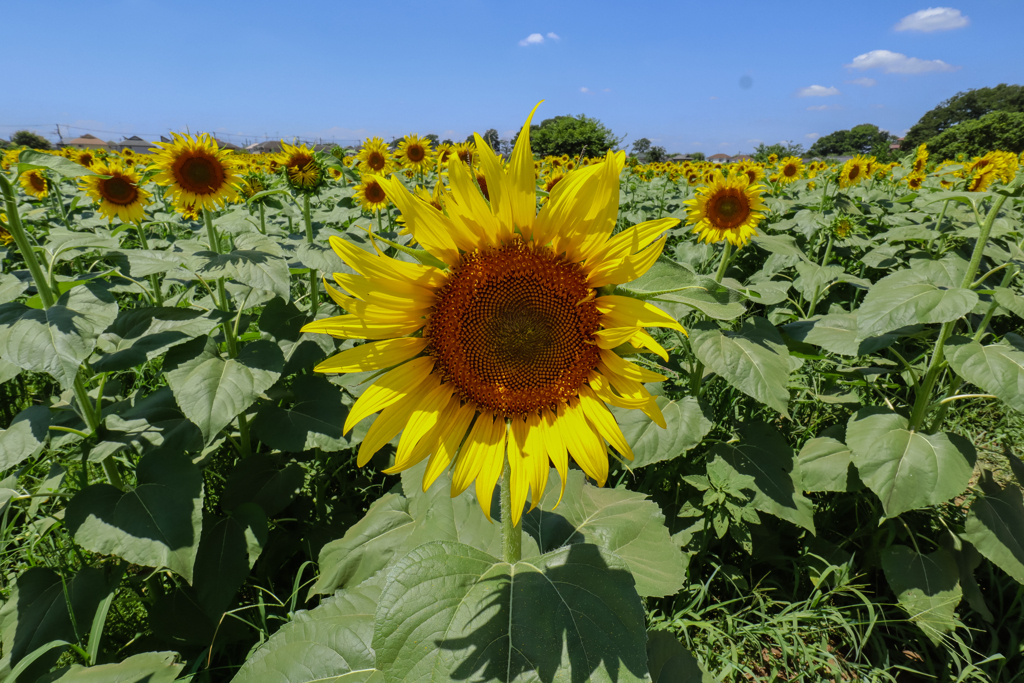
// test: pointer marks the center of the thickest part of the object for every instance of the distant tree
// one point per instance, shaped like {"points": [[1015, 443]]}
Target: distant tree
{"points": [[787, 149], [26, 138], [641, 146], [697, 156], [506, 148], [447, 141], [573, 135], [656, 153], [866, 138], [432, 138], [492, 139], [999, 130], [964, 106]]}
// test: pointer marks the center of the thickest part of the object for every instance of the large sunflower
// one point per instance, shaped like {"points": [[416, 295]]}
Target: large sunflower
{"points": [[302, 170], [196, 171], [370, 194], [374, 157], [853, 172], [35, 183], [119, 195], [726, 209], [790, 170], [509, 344], [414, 152]]}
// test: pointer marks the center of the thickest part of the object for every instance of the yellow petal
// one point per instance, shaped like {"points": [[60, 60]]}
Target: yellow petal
{"points": [[599, 416], [392, 386], [628, 268], [630, 241], [354, 327], [537, 462], [376, 313], [485, 438], [449, 440], [624, 311], [603, 388], [389, 423], [605, 211], [372, 265], [429, 229], [517, 460], [611, 365], [497, 188], [386, 292], [642, 340], [419, 436], [471, 203], [375, 355], [523, 181], [555, 447], [586, 447], [615, 336]]}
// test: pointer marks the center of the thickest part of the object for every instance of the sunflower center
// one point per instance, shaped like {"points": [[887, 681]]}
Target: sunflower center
{"points": [[789, 171], [199, 174], [854, 172], [118, 190], [376, 161], [513, 329], [38, 182], [415, 153], [729, 209], [375, 193]]}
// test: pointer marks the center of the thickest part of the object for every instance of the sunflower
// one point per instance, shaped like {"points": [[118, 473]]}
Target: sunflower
{"points": [[251, 184], [6, 238], [188, 211], [790, 170], [507, 348], [726, 209], [118, 196], [196, 171], [301, 167], [35, 183], [754, 172], [374, 157], [9, 158], [773, 159], [852, 172], [915, 181], [982, 178], [466, 152], [444, 150], [920, 159], [414, 152], [370, 194], [84, 157]]}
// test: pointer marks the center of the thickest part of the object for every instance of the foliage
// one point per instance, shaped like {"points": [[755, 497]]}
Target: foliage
{"points": [[834, 496], [779, 149], [963, 107], [573, 136], [998, 130], [863, 139], [641, 146], [26, 138]]}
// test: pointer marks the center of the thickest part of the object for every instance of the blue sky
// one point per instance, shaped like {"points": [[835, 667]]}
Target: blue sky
{"points": [[691, 76]]}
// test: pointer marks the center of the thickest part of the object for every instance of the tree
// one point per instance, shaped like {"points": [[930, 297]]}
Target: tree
{"points": [[492, 139], [697, 156], [26, 138], [656, 153], [999, 130], [780, 149], [866, 138], [432, 138], [964, 106], [573, 135], [641, 146]]}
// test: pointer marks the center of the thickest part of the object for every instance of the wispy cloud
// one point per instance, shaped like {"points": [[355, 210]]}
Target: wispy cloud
{"points": [[817, 91], [933, 19], [824, 107], [584, 90], [537, 39], [896, 63], [713, 97], [865, 82], [812, 136]]}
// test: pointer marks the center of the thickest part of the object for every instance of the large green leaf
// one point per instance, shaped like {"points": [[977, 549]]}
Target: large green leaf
{"points": [[56, 340], [25, 437], [997, 369], [229, 548], [31, 158], [148, 667], [896, 301], [314, 420], [148, 424], [994, 526], [762, 462], [815, 278], [328, 644], [679, 291], [927, 587], [686, 426], [259, 479], [670, 662], [824, 465], [754, 359], [838, 333], [157, 524], [257, 267], [907, 469], [212, 390], [139, 263], [450, 611], [618, 521], [141, 334], [282, 322], [37, 611], [11, 287]]}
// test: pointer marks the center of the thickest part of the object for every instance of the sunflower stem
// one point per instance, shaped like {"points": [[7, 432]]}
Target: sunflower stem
{"points": [[314, 283], [724, 265], [24, 246], [154, 281], [263, 219], [511, 534], [817, 288]]}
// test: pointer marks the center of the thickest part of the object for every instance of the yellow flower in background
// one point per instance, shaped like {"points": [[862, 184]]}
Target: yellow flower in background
{"points": [[196, 171], [853, 172], [189, 211], [118, 196], [35, 183], [84, 157], [920, 159], [915, 181], [370, 194], [374, 157], [790, 170], [414, 152], [753, 172], [302, 170], [773, 159], [466, 152], [983, 178], [506, 345], [6, 238], [726, 209]]}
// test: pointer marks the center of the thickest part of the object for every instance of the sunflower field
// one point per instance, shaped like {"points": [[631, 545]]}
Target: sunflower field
{"points": [[426, 413]]}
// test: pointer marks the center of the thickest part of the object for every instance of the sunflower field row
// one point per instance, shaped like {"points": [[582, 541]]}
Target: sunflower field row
{"points": [[429, 413]]}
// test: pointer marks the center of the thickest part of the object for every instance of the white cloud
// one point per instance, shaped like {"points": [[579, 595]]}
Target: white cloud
{"points": [[554, 36], [933, 19], [824, 107], [607, 90], [532, 39], [584, 90], [812, 136], [866, 82], [896, 63], [817, 91], [713, 97], [754, 141]]}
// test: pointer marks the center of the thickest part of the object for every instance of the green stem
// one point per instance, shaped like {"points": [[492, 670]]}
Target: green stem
{"points": [[938, 224], [154, 281], [314, 277], [922, 399], [724, 265], [817, 288], [263, 219], [511, 535], [24, 246]]}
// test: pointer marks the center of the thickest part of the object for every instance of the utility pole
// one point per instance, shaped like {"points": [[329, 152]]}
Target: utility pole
{"points": [[59, 136]]}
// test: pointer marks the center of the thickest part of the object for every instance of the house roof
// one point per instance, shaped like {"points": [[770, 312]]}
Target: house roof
{"points": [[719, 156], [226, 145], [87, 140]]}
